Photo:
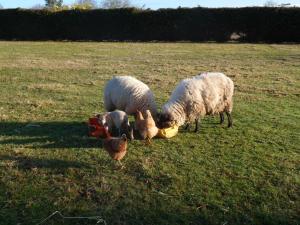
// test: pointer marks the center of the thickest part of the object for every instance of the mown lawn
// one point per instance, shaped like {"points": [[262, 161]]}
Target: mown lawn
{"points": [[245, 175]]}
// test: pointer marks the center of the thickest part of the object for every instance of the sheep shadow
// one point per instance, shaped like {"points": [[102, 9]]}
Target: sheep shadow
{"points": [[53, 134], [62, 134], [27, 163]]}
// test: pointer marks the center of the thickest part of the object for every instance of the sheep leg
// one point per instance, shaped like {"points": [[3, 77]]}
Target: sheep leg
{"points": [[197, 123], [187, 126], [229, 119], [221, 118]]}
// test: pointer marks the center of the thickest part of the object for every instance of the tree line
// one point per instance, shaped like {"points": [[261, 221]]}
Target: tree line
{"points": [[85, 4]]}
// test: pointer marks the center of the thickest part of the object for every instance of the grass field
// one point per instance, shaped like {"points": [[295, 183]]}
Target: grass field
{"points": [[245, 175]]}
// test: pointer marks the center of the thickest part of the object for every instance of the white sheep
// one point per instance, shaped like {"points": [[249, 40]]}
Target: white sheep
{"points": [[128, 94], [119, 120], [204, 94]]}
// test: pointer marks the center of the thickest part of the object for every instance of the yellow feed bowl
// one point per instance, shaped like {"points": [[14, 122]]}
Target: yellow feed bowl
{"points": [[168, 132]]}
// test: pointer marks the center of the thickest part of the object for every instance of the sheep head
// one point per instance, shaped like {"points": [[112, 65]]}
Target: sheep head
{"points": [[128, 129], [165, 120]]}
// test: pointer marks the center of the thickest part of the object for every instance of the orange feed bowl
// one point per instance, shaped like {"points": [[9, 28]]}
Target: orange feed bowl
{"points": [[95, 128]]}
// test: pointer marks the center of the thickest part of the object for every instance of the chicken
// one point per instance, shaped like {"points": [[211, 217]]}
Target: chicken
{"points": [[115, 146], [146, 125]]}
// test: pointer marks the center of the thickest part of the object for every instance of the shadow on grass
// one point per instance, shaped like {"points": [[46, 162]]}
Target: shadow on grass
{"points": [[60, 134], [56, 134], [25, 162]]}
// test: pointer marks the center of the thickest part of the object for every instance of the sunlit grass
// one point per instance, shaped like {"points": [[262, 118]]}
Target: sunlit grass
{"points": [[245, 175]]}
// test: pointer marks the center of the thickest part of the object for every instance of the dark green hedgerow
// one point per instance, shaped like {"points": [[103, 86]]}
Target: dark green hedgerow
{"points": [[254, 24]]}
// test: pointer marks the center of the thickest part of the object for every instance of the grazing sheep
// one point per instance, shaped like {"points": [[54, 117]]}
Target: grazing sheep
{"points": [[204, 94], [128, 94], [119, 120]]}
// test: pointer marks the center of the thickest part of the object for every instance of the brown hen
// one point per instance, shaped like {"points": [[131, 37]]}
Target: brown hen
{"points": [[115, 146], [145, 125]]}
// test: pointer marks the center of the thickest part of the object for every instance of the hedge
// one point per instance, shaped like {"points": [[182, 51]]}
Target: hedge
{"points": [[255, 24]]}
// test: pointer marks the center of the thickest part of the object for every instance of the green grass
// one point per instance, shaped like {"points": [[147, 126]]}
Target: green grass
{"points": [[245, 175]]}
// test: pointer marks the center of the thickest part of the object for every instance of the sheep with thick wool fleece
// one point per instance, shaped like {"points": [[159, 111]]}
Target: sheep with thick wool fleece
{"points": [[128, 94], [204, 94]]}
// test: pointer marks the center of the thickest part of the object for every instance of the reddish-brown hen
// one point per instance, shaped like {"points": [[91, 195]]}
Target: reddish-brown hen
{"points": [[115, 146]]}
